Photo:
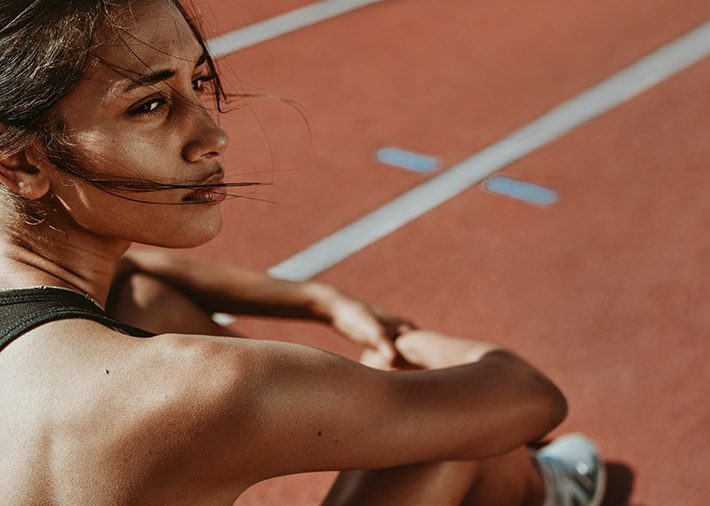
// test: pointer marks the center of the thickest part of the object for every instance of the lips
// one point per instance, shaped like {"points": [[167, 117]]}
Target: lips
{"points": [[207, 193]]}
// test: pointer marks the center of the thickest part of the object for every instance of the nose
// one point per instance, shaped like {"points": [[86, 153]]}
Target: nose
{"points": [[208, 140]]}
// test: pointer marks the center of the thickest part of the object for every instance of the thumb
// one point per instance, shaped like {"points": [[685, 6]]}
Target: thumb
{"points": [[386, 349]]}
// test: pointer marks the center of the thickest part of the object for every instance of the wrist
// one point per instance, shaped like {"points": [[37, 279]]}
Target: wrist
{"points": [[321, 300]]}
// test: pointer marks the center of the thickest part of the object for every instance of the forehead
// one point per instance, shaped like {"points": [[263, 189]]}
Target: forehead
{"points": [[143, 37]]}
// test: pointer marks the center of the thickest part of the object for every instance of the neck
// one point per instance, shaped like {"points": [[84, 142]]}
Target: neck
{"points": [[58, 254]]}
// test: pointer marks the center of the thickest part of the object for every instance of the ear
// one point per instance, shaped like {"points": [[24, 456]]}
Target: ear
{"points": [[23, 178]]}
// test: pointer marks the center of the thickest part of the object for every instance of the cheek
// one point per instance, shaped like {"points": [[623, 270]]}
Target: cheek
{"points": [[175, 226], [130, 152], [143, 156]]}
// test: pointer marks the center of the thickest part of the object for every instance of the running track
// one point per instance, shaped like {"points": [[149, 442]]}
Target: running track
{"points": [[606, 290]]}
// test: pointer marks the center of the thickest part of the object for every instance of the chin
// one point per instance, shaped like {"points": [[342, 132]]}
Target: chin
{"points": [[186, 235]]}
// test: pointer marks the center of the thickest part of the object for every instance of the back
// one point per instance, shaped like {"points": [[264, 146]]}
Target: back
{"points": [[82, 419]]}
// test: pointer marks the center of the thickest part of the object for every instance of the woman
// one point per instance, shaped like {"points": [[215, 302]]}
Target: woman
{"points": [[102, 123]]}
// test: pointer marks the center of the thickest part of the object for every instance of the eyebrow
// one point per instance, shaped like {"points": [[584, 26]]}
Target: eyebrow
{"points": [[157, 76]]}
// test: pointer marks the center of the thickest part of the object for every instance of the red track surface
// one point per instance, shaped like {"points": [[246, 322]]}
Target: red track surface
{"points": [[605, 290], [227, 15]]}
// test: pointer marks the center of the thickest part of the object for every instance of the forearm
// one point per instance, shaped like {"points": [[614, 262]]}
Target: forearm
{"points": [[493, 405], [225, 288], [521, 401]]}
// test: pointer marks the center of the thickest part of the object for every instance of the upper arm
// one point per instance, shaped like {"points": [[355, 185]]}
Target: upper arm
{"points": [[319, 411], [258, 409]]}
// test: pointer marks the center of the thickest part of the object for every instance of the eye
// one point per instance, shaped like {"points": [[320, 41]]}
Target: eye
{"points": [[150, 107], [198, 84]]}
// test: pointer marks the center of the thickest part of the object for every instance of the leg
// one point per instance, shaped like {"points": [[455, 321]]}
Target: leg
{"points": [[149, 303], [507, 480]]}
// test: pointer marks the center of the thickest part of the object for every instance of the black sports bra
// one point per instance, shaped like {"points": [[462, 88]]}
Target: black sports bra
{"points": [[27, 308]]}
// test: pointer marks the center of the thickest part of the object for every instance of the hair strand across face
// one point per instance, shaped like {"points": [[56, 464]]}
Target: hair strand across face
{"points": [[45, 48]]}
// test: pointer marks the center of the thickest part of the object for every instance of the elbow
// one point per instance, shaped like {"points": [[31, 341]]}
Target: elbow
{"points": [[558, 407], [553, 405], [548, 405], [548, 402]]}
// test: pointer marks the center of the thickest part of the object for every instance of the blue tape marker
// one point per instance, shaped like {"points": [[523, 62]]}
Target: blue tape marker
{"points": [[407, 160], [527, 192]]}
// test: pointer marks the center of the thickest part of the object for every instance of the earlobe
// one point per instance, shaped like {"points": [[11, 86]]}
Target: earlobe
{"points": [[23, 178]]}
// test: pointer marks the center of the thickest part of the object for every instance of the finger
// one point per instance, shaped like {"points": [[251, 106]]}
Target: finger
{"points": [[372, 358], [394, 325], [406, 326], [357, 323], [416, 348], [401, 364], [377, 336], [386, 349]]}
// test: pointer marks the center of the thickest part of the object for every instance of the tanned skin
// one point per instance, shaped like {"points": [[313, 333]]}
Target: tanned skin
{"points": [[193, 416]]}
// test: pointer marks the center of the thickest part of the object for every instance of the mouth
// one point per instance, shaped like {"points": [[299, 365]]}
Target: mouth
{"points": [[209, 190]]}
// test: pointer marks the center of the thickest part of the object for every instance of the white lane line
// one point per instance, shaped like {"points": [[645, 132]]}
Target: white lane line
{"points": [[282, 24], [620, 87]]}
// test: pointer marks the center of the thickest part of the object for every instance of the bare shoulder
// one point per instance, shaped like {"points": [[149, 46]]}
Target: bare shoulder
{"points": [[109, 413]]}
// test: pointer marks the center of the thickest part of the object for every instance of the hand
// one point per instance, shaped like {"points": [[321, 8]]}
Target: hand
{"points": [[367, 325], [433, 350], [427, 349], [126, 265]]}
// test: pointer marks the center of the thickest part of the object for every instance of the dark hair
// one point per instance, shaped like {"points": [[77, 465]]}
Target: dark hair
{"points": [[45, 48]]}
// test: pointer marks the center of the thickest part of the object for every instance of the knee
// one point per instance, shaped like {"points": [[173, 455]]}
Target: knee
{"points": [[140, 291], [148, 302]]}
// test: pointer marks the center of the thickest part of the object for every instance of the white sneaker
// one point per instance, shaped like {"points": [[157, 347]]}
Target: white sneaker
{"points": [[573, 472]]}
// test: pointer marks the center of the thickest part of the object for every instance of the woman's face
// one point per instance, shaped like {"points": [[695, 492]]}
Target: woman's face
{"points": [[146, 121]]}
